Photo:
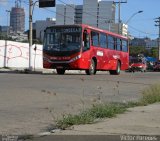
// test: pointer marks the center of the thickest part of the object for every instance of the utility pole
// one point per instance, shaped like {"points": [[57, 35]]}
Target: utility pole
{"points": [[119, 14], [158, 24], [5, 49], [30, 33], [42, 3]]}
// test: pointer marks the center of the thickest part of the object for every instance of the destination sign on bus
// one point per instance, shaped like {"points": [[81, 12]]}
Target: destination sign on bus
{"points": [[66, 30]]}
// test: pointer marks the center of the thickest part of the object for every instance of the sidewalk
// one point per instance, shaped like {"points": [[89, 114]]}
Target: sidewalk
{"points": [[137, 121], [37, 71]]}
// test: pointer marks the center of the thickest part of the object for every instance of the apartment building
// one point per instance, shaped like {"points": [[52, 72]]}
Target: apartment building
{"points": [[17, 19]]}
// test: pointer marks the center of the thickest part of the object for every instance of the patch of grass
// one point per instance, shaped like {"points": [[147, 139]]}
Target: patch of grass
{"points": [[89, 116], [132, 104], [151, 95], [108, 110], [69, 120]]}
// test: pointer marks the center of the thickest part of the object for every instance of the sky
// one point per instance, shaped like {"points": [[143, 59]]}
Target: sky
{"points": [[141, 25]]}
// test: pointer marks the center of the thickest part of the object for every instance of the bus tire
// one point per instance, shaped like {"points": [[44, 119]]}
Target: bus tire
{"points": [[92, 68], [117, 71], [60, 71]]}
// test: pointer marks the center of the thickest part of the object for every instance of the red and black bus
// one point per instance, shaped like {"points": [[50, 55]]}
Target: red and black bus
{"points": [[83, 47]]}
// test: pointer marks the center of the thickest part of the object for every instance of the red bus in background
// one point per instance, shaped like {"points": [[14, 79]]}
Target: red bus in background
{"points": [[83, 47]]}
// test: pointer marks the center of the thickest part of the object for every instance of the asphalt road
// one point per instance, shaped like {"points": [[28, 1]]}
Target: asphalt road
{"points": [[31, 103]]}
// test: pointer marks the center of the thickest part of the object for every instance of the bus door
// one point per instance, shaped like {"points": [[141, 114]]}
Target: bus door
{"points": [[86, 53]]}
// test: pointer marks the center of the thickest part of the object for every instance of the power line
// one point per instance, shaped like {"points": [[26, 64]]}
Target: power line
{"points": [[84, 11], [102, 22], [50, 11], [140, 31]]}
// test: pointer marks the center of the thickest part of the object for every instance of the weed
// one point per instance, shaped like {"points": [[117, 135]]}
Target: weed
{"points": [[89, 116], [151, 95], [69, 120]]}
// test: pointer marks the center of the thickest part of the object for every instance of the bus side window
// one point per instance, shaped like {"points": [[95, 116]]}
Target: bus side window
{"points": [[115, 43], [119, 44], [111, 42], [86, 41], [124, 46]]}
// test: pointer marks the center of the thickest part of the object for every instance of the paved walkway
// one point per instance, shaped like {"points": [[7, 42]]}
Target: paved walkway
{"points": [[137, 121]]}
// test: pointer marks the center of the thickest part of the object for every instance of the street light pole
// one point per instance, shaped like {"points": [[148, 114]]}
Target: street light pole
{"points": [[5, 50], [31, 9], [30, 34], [119, 14], [133, 16], [8, 12]]}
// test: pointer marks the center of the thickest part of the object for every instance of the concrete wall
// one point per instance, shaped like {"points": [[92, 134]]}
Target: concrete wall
{"points": [[16, 55]]}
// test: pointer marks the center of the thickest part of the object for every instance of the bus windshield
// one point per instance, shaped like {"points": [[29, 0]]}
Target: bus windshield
{"points": [[62, 39]]}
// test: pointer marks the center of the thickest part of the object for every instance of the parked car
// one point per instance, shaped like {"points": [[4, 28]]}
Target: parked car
{"points": [[137, 64], [156, 66]]}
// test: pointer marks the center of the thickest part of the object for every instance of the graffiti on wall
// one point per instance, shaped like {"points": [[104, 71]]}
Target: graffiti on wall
{"points": [[17, 54]]}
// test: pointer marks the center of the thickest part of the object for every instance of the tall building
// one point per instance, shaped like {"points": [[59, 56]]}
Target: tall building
{"points": [[69, 14], [40, 25], [78, 14], [60, 14], [65, 14], [17, 18], [90, 12], [106, 15], [96, 13]]}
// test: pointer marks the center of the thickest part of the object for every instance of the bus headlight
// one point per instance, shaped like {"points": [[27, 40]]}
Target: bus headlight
{"points": [[46, 59], [75, 58]]}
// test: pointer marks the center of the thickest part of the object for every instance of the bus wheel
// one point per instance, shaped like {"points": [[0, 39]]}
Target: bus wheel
{"points": [[60, 71], [92, 68], [117, 71]]}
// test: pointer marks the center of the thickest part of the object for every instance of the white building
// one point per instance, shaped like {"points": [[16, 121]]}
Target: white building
{"points": [[120, 28]]}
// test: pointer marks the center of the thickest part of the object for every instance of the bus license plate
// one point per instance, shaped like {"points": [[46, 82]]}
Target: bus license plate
{"points": [[59, 67]]}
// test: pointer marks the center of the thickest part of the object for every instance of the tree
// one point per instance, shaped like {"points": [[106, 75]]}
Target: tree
{"points": [[135, 50], [154, 52]]}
